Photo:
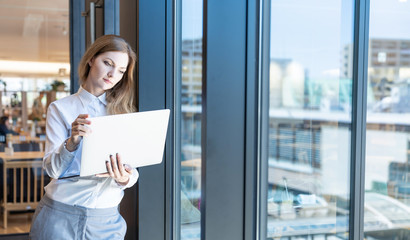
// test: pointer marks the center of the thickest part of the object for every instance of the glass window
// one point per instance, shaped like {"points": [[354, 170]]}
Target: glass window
{"points": [[309, 119], [387, 183], [190, 115], [35, 70]]}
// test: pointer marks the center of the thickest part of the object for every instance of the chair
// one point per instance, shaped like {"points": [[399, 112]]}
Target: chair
{"points": [[23, 185]]}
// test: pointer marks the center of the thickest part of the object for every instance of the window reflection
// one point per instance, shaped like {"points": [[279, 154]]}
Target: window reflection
{"points": [[191, 109], [387, 196], [309, 119]]}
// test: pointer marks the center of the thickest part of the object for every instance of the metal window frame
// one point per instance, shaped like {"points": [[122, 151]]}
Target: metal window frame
{"points": [[252, 127], [172, 191], [223, 119], [257, 174], [154, 76], [176, 86], [264, 64], [77, 41], [359, 111]]}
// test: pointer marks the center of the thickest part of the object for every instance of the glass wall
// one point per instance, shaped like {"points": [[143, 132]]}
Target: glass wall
{"points": [[34, 70], [311, 44], [190, 116], [387, 183]]}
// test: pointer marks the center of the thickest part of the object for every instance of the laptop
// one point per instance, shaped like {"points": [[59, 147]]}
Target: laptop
{"points": [[139, 138]]}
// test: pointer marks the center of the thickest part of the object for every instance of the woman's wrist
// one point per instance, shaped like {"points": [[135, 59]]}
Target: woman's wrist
{"points": [[70, 145], [124, 182]]}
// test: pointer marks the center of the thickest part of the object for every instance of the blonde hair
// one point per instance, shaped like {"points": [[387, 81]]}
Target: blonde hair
{"points": [[121, 97]]}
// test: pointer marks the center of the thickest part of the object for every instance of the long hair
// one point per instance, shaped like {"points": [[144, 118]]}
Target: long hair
{"points": [[121, 97]]}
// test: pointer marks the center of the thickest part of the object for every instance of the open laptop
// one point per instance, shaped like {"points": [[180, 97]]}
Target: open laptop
{"points": [[139, 138]]}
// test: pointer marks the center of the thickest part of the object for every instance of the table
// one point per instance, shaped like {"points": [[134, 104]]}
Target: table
{"points": [[21, 156], [23, 138], [32, 162]]}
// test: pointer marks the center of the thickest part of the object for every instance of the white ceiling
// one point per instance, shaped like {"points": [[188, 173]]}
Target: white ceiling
{"points": [[34, 30]]}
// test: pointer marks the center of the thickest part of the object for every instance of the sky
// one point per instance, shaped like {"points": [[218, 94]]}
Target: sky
{"points": [[192, 19], [314, 32], [389, 19]]}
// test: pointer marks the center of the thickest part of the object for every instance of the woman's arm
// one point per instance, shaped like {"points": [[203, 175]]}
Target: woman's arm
{"points": [[61, 141], [57, 158]]}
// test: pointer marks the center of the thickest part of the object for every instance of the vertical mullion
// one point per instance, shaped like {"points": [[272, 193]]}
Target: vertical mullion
{"points": [[358, 132], [170, 168], [203, 117], [263, 133], [176, 100], [77, 40], [252, 157], [152, 77], [224, 88]]}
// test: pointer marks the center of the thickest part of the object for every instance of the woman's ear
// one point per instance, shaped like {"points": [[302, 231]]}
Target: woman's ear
{"points": [[90, 63]]}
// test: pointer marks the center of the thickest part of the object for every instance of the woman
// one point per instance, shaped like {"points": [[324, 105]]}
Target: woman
{"points": [[5, 128], [87, 207]]}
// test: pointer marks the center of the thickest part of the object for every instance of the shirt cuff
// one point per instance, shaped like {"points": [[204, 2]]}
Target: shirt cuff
{"points": [[133, 179], [64, 153]]}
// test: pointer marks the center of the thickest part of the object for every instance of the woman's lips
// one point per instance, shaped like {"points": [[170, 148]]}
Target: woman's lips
{"points": [[107, 81]]}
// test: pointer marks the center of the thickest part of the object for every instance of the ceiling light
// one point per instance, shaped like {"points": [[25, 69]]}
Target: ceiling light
{"points": [[27, 68]]}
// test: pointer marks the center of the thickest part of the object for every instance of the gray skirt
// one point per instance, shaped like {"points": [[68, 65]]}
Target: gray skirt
{"points": [[56, 220]]}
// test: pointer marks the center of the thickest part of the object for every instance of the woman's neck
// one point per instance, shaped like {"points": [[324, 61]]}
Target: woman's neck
{"points": [[93, 91]]}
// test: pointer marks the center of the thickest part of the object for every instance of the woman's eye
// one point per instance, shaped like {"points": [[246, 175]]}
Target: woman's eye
{"points": [[107, 63], [122, 72]]}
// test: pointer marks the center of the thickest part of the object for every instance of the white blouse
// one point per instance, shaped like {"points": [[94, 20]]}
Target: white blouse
{"points": [[89, 192]]}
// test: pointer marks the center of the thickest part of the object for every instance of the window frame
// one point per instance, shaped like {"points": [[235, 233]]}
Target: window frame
{"points": [[158, 191], [359, 111]]}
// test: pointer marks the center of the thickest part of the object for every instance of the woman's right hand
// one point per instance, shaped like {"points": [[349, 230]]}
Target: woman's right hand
{"points": [[78, 130]]}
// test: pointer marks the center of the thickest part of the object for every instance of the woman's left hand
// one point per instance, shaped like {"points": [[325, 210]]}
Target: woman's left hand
{"points": [[117, 170]]}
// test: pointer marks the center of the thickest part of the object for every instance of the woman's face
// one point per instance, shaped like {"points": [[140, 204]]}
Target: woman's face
{"points": [[106, 70]]}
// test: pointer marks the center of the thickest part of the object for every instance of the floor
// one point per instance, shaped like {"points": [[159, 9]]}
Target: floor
{"points": [[18, 222]]}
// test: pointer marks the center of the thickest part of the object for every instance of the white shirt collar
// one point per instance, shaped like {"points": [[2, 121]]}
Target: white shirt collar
{"points": [[87, 97]]}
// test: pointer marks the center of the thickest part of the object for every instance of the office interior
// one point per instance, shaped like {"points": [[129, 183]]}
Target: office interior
{"points": [[289, 119]]}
